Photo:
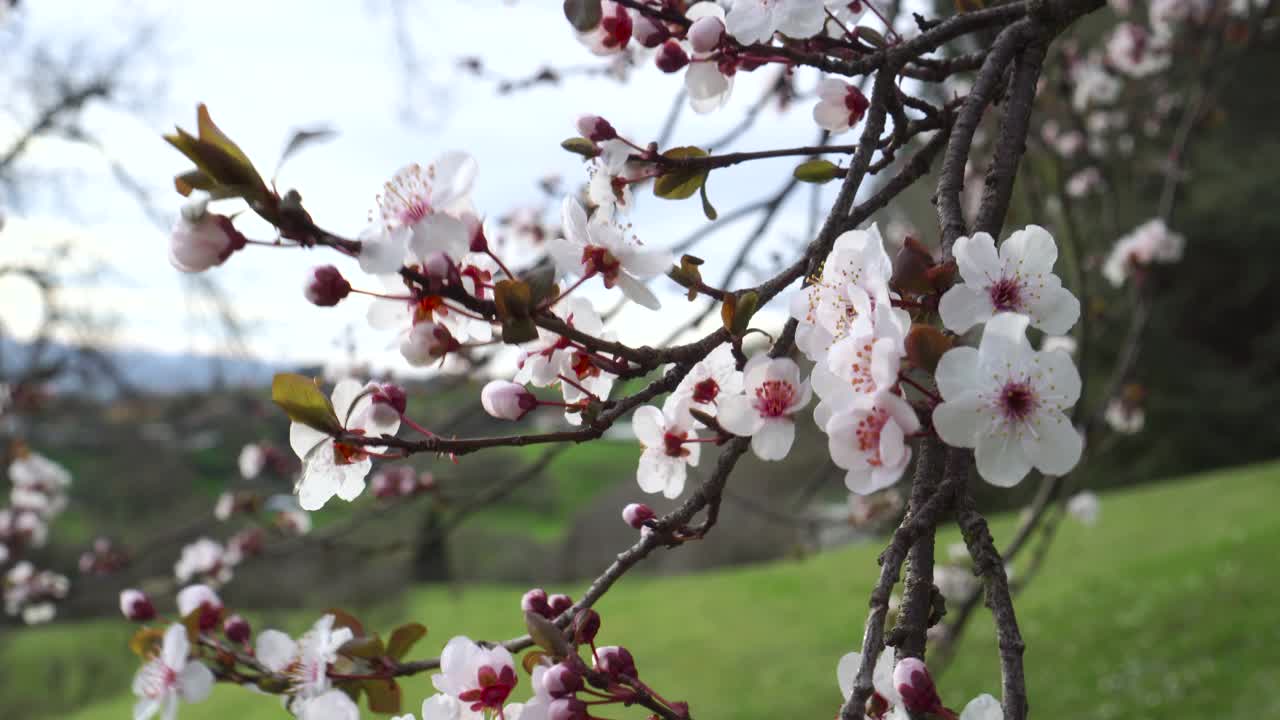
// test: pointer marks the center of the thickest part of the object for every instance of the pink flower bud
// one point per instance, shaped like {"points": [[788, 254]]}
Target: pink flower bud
{"points": [[637, 514], [649, 32], [919, 695], [616, 662], [203, 599], [559, 603], [561, 680], [705, 33], [671, 57], [426, 342], [236, 629], [586, 625], [200, 239], [567, 708], [326, 287], [535, 601], [596, 128], [616, 27], [136, 606], [507, 400]]}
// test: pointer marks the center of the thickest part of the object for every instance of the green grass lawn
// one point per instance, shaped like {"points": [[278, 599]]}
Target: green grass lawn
{"points": [[1165, 609]]}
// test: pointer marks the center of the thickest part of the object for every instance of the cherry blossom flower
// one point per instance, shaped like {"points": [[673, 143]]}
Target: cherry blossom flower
{"points": [[705, 34], [613, 32], [305, 662], [169, 678], [840, 105], [422, 206], [1009, 402], [1084, 182], [331, 705], [707, 83], [612, 175], [200, 598], [251, 461], [507, 400], [774, 394], [755, 21], [1058, 343], [983, 707], [204, 558], [481, 678], [711, 378], [1150, 242], [668, 453], [331, 467], [1085, 507], [598, 247], [881, 678], [550, 358], [136, 606], [854, 279], [1136, 52], [1092, 84], [1018, 279], [862, 364], [201, 239], [1126, 418], [447, 707], [869, 441]]}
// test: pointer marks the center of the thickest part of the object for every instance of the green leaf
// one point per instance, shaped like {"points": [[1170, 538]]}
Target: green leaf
{"points": [[384, 695], [193, 180], [817, 171], [681, 182], [368, 647], [304, 402], [581, 146], [403, 639], [707, 208], [584, 15]]}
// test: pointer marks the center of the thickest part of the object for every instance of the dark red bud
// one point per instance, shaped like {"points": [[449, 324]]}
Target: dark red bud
{"points": [[671, 57]]}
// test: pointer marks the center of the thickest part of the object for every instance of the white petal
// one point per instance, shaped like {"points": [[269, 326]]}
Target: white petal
{"points": [[573, 219], [1059, 381], [1055, 446], [959, 420], [957, 372], [275, 650], [649, 426], [174, 649], [382, 251], [831, 117], [645, 263], [1001, 459], [437, 233], [344, 398], [195, 682], [455, 173], [892, 444], [882, 677], [1056, 310], [304, 439], [803, 18], [737, 415], [964, 306], [773, 440], [977, 259], [637, 292], [748, 22], [847, 672], [1030, 250], [983, 707]]}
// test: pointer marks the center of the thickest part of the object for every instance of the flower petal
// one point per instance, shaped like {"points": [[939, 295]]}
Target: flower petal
{"points": [[977, 259], [1055, 446], [773, 440], [964, 306], [1001, 459]]}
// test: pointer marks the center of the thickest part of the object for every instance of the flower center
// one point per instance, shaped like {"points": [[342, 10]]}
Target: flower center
{"points": [[706, 391], [583, 367], [596, 259], [1018, 401], [1006, 294], [673, 443], [345, 454], [495, 687], [774, 398], [867, 434], [426, 308]]}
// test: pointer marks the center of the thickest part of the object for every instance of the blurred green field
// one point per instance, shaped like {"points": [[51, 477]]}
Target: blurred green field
{"points": [[1165, 609]]}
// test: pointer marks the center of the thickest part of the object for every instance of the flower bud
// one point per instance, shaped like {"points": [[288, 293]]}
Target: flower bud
{"points": [[203, 599], [426, 342], [558, 604], [586, 625], [236, 629], [136, 606], [535, 601], [649, 32], [919, 695], [637, 514], [561, 680], [507, 400], [615, 662], [671, 57], [567, 708], [200, 239], [326, 287], [596, 128], [705, 33]]}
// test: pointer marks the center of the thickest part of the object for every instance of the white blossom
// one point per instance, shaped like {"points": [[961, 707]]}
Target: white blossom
{"points": [[305, 662], [1150, 242], [1124, 417], [711, 378], [668, 453], [204, 558], [840, 105], [200, 239], [612, 172], [332, 468], [423, 207], [881, 677], [1093, 84], [1019, 279], [1085, 507], [251, 461], [854, 279], [332, 705], [766, 413], [481, 678], [598, 247], [755, 21], [169, 678], [869, 441], [1009, 402], [708, 88], [1136, 51]]}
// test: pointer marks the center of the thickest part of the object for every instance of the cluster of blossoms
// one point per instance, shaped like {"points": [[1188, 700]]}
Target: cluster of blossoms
{"points": [[37, 495], [905, 690]]}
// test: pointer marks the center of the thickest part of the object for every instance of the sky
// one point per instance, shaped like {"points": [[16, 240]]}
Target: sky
{"points": [[267, 68]]}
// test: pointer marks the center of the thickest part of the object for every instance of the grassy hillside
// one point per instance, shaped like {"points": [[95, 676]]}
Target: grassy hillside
{"points": [[1165, 609]]}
